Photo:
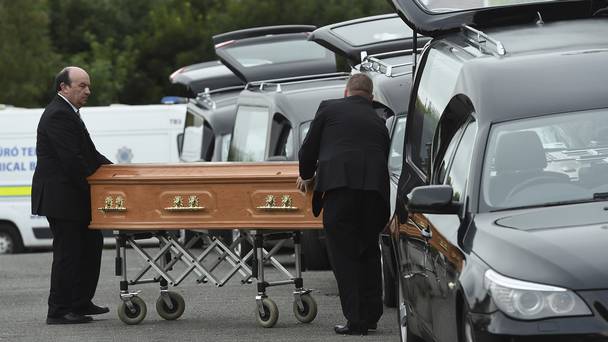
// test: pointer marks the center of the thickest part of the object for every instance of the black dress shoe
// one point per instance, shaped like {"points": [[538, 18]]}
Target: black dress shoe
{"points": [[93, 310], [372, 326], [69, 318], [348, 330]]}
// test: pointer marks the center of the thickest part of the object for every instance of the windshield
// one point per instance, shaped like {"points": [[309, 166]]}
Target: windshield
{"points": [[250, 133], [548, 160], [442, 6]]}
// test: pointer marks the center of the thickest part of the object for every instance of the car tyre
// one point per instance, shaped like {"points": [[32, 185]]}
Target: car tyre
{"points": [[10, 240]]}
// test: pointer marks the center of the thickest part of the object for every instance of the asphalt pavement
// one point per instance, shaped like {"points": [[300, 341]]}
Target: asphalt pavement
{"points": [[212, 314]]}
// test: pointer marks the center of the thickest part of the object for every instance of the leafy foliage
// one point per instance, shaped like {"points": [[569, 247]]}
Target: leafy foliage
{"points": [[130, 47]]}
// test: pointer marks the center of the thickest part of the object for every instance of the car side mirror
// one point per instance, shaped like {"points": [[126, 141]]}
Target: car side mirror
{"points": [[432, 199]]}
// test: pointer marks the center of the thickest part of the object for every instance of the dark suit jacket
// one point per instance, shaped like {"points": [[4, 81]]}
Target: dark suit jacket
{"points": [[66, 156], [347, 145]]}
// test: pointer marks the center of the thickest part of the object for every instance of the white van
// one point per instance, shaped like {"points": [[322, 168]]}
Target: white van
{"points": [[123, 133]]}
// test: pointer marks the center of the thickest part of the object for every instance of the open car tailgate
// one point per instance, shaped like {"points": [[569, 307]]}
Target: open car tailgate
{"points": [[273, 52], [370, 35]]}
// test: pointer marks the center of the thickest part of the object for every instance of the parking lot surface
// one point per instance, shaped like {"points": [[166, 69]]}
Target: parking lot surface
{"points": [[212, 314]]}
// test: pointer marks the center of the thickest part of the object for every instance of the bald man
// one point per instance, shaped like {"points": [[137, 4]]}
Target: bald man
{"points": [[347, 148], [66, 157]]}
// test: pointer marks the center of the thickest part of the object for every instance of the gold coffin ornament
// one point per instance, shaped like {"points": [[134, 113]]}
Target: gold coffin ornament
{"points": [[200, 196]]}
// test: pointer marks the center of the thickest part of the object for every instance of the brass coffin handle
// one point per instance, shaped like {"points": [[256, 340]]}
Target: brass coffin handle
{"points": [[178, 204], [270, 204], [113, 205]]}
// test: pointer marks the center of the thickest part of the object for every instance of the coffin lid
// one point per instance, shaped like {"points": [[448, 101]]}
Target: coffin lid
{"points": [[216, 171]]}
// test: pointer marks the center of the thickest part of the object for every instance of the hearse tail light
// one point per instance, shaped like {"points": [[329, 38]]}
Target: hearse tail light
{"points": [[525, 300]]}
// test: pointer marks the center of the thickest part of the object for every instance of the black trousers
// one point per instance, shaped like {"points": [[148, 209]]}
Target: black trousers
{"points": [[76, 264], [353, 220]]}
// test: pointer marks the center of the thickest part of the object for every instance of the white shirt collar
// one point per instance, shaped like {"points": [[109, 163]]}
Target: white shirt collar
{"points": [[71, 105]]}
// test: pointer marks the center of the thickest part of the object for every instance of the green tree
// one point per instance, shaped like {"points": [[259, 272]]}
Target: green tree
{"points": [[27, 60], [109, 65], [130, 47], [174, 35]]}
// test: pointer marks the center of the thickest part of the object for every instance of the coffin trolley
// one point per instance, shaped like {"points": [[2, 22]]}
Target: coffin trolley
{"points": [[259, 200]]}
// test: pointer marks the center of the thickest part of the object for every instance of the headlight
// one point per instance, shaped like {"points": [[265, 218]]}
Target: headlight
{"points": [[524, 300]]}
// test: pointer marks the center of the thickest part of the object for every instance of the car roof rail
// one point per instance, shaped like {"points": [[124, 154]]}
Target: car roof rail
{"points": [[479, 39], [260, 31], [374, 63], [204, 97], [394, 53], [279, 82]]}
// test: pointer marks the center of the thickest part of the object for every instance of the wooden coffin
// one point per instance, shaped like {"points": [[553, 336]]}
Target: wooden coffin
{"points": [[200, 196]]}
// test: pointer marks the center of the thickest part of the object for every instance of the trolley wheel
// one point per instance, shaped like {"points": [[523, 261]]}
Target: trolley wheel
{"points": [[178, 306], [271, 313], [134, 316], [309, 313]]}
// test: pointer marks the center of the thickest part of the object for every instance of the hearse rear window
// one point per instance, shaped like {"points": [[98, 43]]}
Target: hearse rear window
{"points": [[373, 31]]}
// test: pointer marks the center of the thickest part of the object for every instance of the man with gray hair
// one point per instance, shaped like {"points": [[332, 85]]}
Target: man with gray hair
{"points": [[347, 148], [66, 156]]}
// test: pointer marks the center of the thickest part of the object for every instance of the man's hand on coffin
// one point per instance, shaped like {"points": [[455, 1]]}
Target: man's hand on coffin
{"points": [[305, 185]]}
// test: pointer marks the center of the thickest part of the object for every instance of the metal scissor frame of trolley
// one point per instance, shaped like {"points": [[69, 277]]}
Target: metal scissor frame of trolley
{"points": [[160, 268]]}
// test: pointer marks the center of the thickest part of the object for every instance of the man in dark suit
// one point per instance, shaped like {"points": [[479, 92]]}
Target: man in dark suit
{"points": [[65, 157], [347, 146]]}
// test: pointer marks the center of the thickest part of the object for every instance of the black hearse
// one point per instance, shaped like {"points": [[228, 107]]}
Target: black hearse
{"points": [[273, 116], [246, 55], [502, 212]]}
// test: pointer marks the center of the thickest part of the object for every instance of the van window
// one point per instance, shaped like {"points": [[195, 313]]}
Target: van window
{"points": [[199, 140], [432, 96], [281, 142], [250, 134]]}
